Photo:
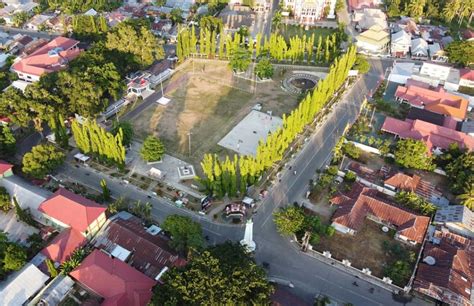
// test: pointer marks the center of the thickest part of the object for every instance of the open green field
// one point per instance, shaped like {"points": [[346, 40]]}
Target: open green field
{"points": [[208, 103], [295, 30]]}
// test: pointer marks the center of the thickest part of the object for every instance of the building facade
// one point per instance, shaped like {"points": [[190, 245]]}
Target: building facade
{"points": [[308, 12]]}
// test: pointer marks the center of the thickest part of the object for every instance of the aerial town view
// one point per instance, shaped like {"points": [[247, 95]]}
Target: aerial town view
{"points": [[236, 152]]}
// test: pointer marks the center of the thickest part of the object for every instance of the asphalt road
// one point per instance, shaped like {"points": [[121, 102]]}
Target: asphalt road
{"points": [[309, 276], [32, 33]]}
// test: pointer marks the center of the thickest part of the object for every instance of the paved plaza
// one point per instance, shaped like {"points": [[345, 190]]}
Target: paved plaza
{"points": [[244, 137]]}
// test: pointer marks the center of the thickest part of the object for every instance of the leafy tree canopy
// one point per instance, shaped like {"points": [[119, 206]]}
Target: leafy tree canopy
{"points": [[185, 233], [461, 52], [289, 220], [264, 69], [240, 60], [361, 64], [413, 154], [152, 149], [127, 130], [221, 275], [42, 160]]}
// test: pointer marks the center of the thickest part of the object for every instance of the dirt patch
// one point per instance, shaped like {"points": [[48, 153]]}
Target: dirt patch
{"points": [[207, 100], [364, 249]]}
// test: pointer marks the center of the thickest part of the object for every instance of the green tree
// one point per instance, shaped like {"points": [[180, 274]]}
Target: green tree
{"points": [[7, 142], [42, 160], [461, 52], [20, 18], [73, 261], [127, 129], [467, 197], [152, 149], [361, 64], [176, 16], [240, 59], [413, 154], [351, 150], [105, 190], [460, 172], [185, 233], [212, 24], [5, 199], [222, 275], [14, 257], [398, 272], [53, 272], [289, 220], [140, 43], [23, 215], [415, 202], [264, 69]]}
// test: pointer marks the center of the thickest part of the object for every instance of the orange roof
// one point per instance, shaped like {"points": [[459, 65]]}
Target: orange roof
{"points": [[72, 209], [51, 57], [437, 101], [362, 201], [467, 74], [63, 245], [403, 182]]}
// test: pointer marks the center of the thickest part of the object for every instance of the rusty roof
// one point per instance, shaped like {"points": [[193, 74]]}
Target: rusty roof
{"points": [[361, 202]]}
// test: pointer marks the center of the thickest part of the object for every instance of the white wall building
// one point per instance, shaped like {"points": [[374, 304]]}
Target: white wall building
{"points": [[308, 12], [401, 43]]}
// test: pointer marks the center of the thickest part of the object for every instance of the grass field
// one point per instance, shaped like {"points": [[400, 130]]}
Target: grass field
{"points": [[207, 104], [294, 30]]}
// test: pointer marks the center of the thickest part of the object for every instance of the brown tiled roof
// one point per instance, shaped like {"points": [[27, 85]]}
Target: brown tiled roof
{"points": [[362, 201], [404, 182], [150, 253], [450, 278]]}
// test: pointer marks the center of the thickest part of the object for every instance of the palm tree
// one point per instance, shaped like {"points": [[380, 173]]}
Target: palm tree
{"points": [[467, 198]]}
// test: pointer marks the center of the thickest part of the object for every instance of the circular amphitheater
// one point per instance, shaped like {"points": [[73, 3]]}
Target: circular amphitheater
{"points": [[298, 83]]}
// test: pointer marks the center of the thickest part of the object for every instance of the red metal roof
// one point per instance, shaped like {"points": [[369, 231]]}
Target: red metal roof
{"points": [[72, 209], [40, 61], [63, 245], [467, 74], [450, 278], [433, 135], [362, 201], [115, 281], [4, 167], [437, 101], [150, 253]]}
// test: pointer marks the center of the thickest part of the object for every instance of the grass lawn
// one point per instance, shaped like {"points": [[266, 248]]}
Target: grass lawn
{"points": [[207, 104], [295, 30], [364, 249]]}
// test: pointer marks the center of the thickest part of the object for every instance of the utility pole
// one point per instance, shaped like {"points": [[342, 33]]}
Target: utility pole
{"points": [[189, 142]]}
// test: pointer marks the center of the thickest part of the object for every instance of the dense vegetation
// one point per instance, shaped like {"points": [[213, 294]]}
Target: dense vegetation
{"points": [[221, 275], [80, 6]]}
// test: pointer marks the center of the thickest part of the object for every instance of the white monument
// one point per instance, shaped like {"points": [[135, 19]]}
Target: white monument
{"points": [[248, 242]]}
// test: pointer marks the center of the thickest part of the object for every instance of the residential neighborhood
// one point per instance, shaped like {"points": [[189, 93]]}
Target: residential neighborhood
{"points": [[181, 152]]}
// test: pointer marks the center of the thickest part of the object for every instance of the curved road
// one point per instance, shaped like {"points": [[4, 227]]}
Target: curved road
{"points": [[309, 275]]}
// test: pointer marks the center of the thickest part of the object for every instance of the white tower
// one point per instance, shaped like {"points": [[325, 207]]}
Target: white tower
{"points": [[248, 242]]}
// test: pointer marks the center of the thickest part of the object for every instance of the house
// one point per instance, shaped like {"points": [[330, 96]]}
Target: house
{"points": [[445, 271], [436, 53], [433, 74], [35, 23], [145, 249], [468, 127], [458, 219], [60, 24], [63, 245], [162, 27], [65, 209], [425, 189], [53, 56], [29, 196], [116, 282], [406, 24], [466, 78], [369, 17], [361, 4], [374, 41], [435, 100], [400, 44], [401, 72], [22, 285], [425, 115], [309, 12], [362, 202], [5, 169], [435, 137], [419, 49]]}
